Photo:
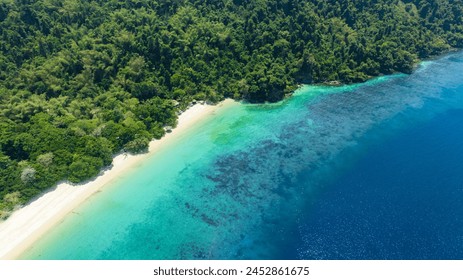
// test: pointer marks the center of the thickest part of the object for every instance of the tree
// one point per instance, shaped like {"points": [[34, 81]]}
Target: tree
{"points": [[28, 175]]}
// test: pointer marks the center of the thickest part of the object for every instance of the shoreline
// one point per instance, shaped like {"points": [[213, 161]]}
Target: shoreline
{"points": [[27, 224]]}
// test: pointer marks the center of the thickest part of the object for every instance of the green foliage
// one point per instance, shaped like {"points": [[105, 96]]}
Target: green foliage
{"points": [[84, 167], [81, 80], [139, 144], [8, 204]]}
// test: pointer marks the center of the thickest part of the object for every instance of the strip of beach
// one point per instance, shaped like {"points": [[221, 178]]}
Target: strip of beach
{"points": [[26, 225]]}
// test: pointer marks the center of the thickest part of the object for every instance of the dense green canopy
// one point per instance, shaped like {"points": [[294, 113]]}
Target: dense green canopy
{"points": [[81, 80]]}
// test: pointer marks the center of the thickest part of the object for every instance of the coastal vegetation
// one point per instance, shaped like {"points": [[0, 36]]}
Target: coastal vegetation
{"points": [[81, 80]]}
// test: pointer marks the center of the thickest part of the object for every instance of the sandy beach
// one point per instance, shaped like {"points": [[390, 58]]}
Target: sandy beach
{"points": [[29, 223]]}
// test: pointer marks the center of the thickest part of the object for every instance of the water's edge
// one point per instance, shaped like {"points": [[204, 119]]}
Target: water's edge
{"points": [[247, 184]]}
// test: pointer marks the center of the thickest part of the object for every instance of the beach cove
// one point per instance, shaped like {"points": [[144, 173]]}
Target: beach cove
{"points": [[292, 180], [27, 224]]}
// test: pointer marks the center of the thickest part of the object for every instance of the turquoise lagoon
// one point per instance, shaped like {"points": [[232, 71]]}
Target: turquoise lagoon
{"points": [[368, 171]]}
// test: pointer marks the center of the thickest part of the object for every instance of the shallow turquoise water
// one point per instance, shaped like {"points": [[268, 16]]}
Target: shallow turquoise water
{"points": [[263, 181]]}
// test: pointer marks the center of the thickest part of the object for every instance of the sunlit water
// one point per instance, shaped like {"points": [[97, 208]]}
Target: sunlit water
{"points": [[370, 171]]}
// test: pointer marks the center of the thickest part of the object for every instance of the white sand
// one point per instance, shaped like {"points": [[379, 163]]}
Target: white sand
{"points": [[28, 224]]}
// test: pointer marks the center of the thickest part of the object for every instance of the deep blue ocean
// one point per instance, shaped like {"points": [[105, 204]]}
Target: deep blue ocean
{"points": [[368, 171], [401, 199]]}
